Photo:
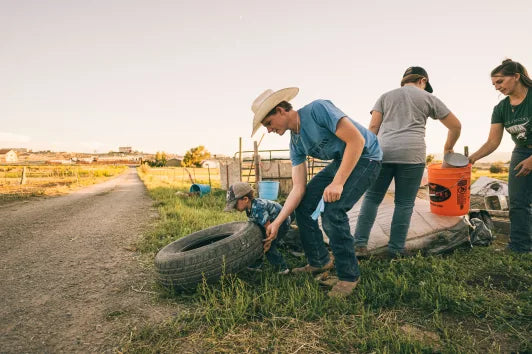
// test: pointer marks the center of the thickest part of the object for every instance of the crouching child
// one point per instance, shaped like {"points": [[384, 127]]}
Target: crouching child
{"points": [[261, 212]]}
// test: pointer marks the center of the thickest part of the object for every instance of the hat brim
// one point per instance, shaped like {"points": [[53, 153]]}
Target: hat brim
{"points": [[428, 87], [270, 102], [230, 206]]}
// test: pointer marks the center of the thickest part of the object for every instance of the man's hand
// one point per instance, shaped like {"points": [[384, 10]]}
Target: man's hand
{"points": [[525, 167], [332, 193], [271, 234]]}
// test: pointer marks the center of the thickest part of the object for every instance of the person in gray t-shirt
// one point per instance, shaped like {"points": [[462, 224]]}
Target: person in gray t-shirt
{"points": [[399, 118]]}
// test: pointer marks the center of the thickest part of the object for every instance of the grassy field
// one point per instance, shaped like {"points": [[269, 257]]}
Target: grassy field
{"points": [[51, 180], [470, 301], [477, 173]]}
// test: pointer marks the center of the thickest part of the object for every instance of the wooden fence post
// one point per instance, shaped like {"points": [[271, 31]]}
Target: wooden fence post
{"points": [[23, 179], [257, 164], [240, 157]]}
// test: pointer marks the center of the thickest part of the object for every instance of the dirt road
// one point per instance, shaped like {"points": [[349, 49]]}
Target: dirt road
{"points": [[69, 281]]}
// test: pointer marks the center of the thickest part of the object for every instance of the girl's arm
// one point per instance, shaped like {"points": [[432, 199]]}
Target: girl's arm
{"points": [[494, 140]]}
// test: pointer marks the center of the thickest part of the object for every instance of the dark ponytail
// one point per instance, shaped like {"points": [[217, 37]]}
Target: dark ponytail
{"points": [[510, 68]]}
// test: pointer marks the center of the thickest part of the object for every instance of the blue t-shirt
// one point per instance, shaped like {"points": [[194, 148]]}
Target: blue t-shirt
{"points": [[264, 210], [317, 135]]}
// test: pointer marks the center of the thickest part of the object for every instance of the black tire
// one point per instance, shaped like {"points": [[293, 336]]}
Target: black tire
{"points": [[182, 264]]}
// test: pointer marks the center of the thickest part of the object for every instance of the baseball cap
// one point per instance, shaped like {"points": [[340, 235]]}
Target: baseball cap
{"points": [[235, 192], [418, 70]]}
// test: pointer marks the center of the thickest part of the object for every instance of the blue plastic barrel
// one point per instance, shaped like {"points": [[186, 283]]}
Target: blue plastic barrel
{"points": [[202, 189], [268, 190]]}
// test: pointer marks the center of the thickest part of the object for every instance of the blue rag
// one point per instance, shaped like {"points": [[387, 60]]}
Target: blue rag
{"points": [[319, 210]]}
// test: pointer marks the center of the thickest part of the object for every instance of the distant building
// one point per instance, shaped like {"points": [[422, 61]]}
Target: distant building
{"points": [[8, 155], [210, 164], [21, 150], [125, 149]]}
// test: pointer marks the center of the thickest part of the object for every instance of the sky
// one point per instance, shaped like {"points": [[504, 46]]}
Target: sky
{"points": [[90, 76]]}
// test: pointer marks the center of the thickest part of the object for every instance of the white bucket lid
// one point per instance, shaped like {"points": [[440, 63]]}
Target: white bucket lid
{"points": [[454, 159]]}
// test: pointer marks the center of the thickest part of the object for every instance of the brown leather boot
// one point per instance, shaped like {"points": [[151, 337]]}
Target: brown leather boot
{"points": [[314, 270], [343, 289], [361, 251]]}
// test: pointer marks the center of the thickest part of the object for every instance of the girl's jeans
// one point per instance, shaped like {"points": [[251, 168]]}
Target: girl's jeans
{"points": [[407, 179], [520, 195], [334, 218]]}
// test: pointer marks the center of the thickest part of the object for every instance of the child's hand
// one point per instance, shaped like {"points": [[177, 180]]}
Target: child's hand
{"points": [[271, 234]]}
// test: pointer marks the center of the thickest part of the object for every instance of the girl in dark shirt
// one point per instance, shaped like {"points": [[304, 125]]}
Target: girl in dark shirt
{"points": [[514, 113]]}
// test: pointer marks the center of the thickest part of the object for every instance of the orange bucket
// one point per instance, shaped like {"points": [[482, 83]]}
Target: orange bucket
{"points": [[449, 190]]}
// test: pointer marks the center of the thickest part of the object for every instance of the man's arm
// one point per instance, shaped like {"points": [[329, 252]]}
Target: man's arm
{"points": [[299, 185], [354, 144]]}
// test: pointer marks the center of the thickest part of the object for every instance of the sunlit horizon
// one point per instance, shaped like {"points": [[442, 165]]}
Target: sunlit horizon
{"points": [[168, 76]]}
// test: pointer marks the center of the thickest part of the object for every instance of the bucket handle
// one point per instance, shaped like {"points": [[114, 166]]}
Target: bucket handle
{"points": [[461, 178]]}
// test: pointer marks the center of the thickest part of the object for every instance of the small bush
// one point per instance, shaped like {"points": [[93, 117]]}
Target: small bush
{"points": [[496, 168], [145, 168]]}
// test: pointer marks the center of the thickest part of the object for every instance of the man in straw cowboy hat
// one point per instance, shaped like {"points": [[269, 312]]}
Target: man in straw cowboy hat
{"points": [[323, 131]]}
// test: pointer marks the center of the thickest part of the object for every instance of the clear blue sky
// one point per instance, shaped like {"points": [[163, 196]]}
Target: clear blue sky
{"points": [[90, 76]]}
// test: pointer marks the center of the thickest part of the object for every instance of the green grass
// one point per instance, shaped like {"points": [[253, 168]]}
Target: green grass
{"points": [[472, 300]]}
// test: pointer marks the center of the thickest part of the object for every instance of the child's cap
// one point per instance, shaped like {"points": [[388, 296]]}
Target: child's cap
{"points": [[235, 192]]}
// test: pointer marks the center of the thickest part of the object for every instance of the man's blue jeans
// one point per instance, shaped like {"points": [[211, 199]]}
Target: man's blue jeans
{"points": [[520, 195], [407, 179], [334, 218]]}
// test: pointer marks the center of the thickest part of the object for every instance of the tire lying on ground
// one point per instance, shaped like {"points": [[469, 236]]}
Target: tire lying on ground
{"points": [[182, 264]]}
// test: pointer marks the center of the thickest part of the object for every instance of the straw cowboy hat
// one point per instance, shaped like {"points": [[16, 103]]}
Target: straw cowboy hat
{"points": [[267, 101]]}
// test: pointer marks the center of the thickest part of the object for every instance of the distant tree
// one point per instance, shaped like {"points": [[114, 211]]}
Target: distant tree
{"points": [[160, 159], [195, 156]]}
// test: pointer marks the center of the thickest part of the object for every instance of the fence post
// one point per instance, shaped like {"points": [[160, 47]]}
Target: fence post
{"points": [[257, 164], [239, 157], [23, 179]]}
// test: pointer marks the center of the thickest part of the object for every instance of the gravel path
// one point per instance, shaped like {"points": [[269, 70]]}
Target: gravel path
{"points": [[69, 280]]}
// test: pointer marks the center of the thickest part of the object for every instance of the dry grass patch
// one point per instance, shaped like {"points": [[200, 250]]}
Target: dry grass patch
{"points": [[49, 180]]}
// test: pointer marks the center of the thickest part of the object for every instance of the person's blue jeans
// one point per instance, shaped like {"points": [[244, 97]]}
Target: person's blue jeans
{"points": [[520, 195], [407, 178], [334, 218]]}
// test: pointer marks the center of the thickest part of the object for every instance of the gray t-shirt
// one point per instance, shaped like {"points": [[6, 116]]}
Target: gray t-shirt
{"points": [[402, 132]]}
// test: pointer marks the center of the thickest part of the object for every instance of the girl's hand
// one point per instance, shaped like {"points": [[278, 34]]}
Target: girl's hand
{"points": [[524, 167]]}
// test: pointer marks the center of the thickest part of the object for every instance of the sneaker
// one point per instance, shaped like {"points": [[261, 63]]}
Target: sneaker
{"points": [[314, 270], [343, 289], [255, 267], [284, 271]]}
